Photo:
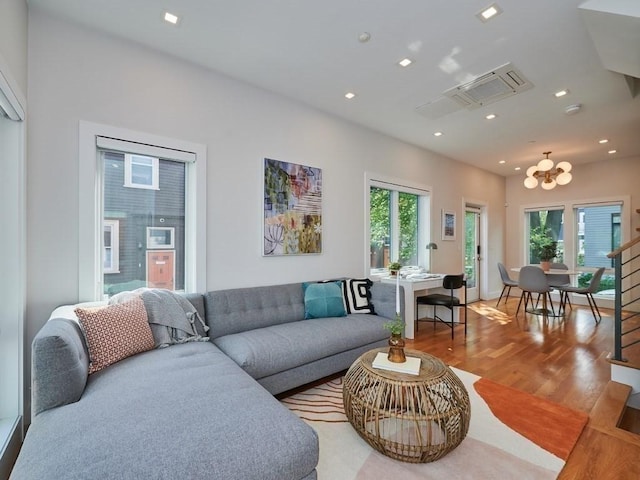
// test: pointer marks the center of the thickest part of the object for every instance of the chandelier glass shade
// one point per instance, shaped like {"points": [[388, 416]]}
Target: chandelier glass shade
{"points": [[548, 176]]}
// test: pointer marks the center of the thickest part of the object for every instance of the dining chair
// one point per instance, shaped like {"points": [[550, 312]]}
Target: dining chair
{"points": [[587, 291], [450, 301], [507, 282], [556, 280], [534, 280]]}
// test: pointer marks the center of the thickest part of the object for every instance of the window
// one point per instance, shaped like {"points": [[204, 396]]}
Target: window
{"points": [[151, 219], [398, 225], [599, 231], [160, 237], [178, 202], [542, 223], [111, 246], [12, 266], [141, 172]]}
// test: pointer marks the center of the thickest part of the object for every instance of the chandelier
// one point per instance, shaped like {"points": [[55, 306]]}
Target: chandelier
{"points": [[549, 176]]}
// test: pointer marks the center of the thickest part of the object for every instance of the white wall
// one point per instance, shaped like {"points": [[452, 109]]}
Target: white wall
{"points": [[76, 74], [13, 45], [598, 180]]}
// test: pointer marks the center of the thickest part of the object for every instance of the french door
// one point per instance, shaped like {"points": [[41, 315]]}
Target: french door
{"points": [[472, 252]]}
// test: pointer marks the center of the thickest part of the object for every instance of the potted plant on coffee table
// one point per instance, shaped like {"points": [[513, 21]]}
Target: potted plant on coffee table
{"points": [[396, 342]]}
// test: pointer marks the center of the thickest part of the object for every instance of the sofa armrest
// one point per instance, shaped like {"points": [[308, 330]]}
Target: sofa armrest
{"points": [[59, 365], [383, 297]]}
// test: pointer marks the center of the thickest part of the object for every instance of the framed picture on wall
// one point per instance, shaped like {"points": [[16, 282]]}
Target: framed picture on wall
{"points": [[448, 225], [292, 223]]}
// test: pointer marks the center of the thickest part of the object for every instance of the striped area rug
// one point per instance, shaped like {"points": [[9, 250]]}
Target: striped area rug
{"points": [[512, 434]]}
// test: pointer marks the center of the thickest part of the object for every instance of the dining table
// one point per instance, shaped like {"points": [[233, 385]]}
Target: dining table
{"points": [[552, 271]]}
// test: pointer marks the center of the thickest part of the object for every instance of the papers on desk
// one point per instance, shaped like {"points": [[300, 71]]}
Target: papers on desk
{"points": [[422, 276]]}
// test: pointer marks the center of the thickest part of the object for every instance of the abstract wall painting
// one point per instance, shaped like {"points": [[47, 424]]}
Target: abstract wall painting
{"points": [[292, 209]]}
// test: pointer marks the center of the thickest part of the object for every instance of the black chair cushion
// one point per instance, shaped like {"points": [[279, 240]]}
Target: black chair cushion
{"points": [[438, 299]]}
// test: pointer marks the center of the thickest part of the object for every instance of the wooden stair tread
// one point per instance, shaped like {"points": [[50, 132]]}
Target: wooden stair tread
{"points": [[608, 412], [614, 448], [630, 363], [610, 406]]}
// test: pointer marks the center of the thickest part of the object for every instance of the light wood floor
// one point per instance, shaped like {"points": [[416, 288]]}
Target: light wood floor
{"points": [[563, 360]]}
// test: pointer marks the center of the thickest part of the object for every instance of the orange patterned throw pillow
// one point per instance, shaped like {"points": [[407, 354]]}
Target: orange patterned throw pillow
{"points": [[115, 332]]}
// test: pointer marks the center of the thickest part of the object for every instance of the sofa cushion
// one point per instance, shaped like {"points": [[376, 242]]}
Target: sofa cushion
{"points": [[323, 300], [240, 309], [115, 332], [266, 351], [59, 365], [357, 295], [182, 412]]}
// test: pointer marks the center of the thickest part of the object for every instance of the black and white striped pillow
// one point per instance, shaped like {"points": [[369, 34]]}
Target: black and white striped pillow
{"points": [[357, 295]]}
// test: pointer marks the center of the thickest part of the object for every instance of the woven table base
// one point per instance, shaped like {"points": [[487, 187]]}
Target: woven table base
{"points": [[413, 418]]}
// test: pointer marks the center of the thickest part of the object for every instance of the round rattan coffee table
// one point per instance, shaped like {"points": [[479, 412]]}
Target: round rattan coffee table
{"points": [[413, 418]]}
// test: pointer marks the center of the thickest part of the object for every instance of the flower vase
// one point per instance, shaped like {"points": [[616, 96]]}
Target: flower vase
{"points": [[396, 349], [545, 265]]}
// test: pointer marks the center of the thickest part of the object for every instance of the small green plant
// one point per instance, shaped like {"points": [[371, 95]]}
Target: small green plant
{"points": [[548, 250], [543, 246], [395, 326], [394, 266]]}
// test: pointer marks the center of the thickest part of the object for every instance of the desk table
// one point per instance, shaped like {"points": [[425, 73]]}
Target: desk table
{"points": [[411, 287]]}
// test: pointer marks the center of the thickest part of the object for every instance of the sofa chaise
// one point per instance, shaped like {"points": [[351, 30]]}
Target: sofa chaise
{"points": [[201, 409]]}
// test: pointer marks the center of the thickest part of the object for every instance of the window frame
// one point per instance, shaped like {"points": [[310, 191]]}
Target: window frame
{"points": [[571, 226], [425, 203], [130, 162], [115, 246], [90, 282]]}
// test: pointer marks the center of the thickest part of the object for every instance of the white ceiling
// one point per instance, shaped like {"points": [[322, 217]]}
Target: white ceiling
{"points": [[308, 50]]}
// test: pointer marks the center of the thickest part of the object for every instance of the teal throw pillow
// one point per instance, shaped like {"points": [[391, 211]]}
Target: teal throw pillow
{"points": [[323, 300]]}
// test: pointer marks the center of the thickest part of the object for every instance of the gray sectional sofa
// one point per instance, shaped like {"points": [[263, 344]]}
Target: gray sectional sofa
{"points": [[198, 409]]}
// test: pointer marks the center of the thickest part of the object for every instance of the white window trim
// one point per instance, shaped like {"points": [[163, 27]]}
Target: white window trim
{"points": [[129, 162], [90, 282], [424, 223], [115, 246], [151, 245]]}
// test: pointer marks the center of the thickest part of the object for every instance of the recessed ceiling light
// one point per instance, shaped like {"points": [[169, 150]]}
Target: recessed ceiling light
{"points": [[405, 62], [364, 37], [491, 116], [561, 93], [437, 134], [502, 162], [517, 169], [612, 151], [171, 18], [604, 140], [488, 13], [349, 95]]}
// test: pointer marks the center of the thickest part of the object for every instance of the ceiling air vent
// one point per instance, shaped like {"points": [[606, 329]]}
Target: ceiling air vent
{"points": [[502, 82]]}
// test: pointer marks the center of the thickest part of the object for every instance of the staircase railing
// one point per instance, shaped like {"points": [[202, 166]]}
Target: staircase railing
{"points": [[627, 297]]}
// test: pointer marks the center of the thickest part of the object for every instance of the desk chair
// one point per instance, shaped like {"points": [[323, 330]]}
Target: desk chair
{"points": [[587, 291], [450, 282], [534, 280], [507, 282]]}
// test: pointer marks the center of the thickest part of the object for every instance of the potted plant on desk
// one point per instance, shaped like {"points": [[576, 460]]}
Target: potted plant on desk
{"points": [[394, 268]]}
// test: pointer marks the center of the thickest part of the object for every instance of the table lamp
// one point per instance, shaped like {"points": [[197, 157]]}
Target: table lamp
{"points": [[431, 246]]}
